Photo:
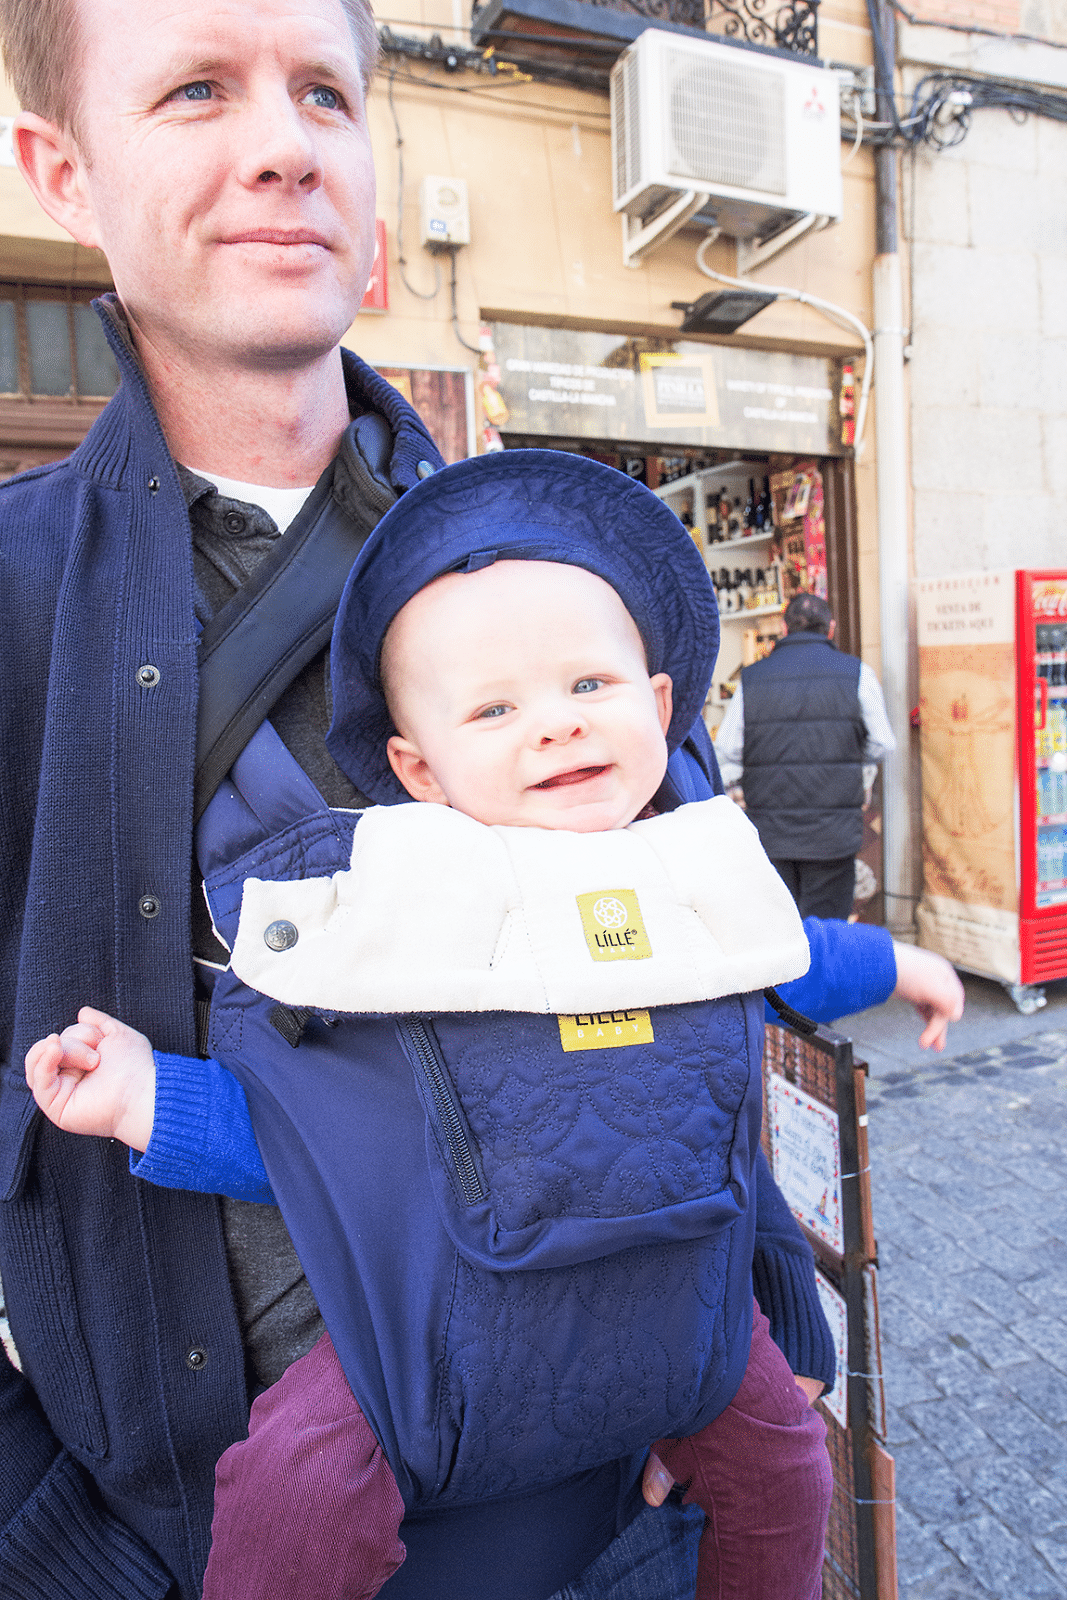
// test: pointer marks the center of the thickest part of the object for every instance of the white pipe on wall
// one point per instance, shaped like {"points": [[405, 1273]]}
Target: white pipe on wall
{"points": [[890, 422]]}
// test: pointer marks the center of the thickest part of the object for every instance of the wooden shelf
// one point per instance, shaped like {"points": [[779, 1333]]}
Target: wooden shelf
{"points": [[755, 611], [738, 544]]}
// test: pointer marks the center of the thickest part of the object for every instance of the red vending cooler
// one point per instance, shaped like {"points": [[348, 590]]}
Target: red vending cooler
{"points": [[993, 729]]}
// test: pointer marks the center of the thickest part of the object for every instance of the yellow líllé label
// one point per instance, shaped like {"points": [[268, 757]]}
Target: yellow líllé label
{"points": [[611, 922], [605, 1030]]}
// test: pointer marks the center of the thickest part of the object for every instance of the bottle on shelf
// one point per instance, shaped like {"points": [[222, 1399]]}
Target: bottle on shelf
{"points": [[737, 519], [724, 513], [767, 502], [750, 508]]}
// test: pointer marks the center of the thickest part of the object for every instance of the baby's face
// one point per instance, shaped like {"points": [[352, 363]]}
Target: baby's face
{"points": [[523, 698]]}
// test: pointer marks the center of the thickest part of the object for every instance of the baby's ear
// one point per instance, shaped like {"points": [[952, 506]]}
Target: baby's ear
{"points": [[663, 689], [410, 767]]}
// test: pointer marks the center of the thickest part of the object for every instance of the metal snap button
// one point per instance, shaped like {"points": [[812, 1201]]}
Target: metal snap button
{"points": [[196, 1358], [148, 676], [149, 906], [153, 484], [280, 936], [233, 522], [425, 470]]}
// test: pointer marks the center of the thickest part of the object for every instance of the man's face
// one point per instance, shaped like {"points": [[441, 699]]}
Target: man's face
{"points": [[523, 698], [228, 172]]}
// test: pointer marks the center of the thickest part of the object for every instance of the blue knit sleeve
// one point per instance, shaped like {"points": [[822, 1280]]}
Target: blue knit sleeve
{"points": [[783, 1281], [852, 967], [202, 1135]]}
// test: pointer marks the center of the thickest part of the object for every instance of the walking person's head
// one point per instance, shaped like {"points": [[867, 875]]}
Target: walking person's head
{"points": [[809, 613]]}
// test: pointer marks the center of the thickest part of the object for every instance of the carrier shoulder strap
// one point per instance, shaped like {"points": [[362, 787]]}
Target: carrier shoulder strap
{"points": [[278, 621]]}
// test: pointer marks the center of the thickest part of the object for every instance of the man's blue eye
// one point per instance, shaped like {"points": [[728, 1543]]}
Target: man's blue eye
{"points": [[587, 685], [196, 91], [327, 99]]}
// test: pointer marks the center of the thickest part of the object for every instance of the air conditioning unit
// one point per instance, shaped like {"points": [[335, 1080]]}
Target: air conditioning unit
{"points": [[699, 126]]}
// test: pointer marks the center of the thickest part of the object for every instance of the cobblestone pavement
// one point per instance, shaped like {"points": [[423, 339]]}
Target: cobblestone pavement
{"points": [[970, 1212]]}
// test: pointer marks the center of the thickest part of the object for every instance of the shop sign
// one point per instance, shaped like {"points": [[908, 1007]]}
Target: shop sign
{"points": [[643, 390]]}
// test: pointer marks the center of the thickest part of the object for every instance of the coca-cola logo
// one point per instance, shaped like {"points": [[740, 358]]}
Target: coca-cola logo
{"points": [[1050, 602]]}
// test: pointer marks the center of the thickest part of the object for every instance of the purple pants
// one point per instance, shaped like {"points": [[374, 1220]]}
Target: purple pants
{"points": [[761, 1475], [307, 1506]]}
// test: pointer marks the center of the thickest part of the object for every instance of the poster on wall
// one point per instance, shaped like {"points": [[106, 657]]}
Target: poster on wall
{"points": [[966, 633], [562, 382]]}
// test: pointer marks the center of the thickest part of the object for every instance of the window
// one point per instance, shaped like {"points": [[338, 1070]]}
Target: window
{"points": [[52, 344]]}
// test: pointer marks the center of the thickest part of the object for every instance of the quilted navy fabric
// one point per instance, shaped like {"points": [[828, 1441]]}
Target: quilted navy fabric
{"points": [[531, 1261]]}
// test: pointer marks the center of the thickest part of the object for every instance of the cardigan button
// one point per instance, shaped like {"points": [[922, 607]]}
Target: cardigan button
{"points": [[280, 936], [153, 484], [148, 676], [149, 906], [196, 1358], [425, 470]]}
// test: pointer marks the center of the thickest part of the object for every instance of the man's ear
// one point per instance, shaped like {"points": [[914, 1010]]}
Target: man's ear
{"points": [[54, 168], [663, 689], [410, 767]]}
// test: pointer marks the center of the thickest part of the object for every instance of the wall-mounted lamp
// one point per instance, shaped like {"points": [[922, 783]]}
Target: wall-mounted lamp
{"points": [[723, 310]]}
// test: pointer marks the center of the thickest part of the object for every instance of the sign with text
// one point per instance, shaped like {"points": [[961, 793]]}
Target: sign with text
{"points": [[806, 1158], [629, 389]]}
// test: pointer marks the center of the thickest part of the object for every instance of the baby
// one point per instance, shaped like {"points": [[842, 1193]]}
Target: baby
{"points": [[561, 1074]]}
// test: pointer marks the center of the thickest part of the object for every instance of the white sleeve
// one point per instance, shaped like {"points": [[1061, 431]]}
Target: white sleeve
{"points": [[730, 740], [880, 736]]}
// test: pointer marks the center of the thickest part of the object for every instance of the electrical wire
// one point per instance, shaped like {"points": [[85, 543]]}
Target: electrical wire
{"points": [[453, 251], [827, 308], [943, 104], [857, 114], [401, 260]]}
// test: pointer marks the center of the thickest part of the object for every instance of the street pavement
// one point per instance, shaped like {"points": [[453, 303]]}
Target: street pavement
{"points": [[970, 1212]]}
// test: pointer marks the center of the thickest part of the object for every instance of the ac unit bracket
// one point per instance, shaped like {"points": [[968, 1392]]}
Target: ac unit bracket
{"points": [[639, 239], [751, 254]]}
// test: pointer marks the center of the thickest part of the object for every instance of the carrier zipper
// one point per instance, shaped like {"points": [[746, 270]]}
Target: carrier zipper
{"points": [[433, 1071]]}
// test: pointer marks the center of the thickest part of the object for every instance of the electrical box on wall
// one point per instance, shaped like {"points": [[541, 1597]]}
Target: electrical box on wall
{"points": [[698, 125], [444, 212]]}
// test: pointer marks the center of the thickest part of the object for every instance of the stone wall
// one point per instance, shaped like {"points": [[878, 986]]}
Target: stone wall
{"points": [[987, 224]]}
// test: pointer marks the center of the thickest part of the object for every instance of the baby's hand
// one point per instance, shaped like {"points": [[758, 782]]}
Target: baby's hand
{"points": [[933, 988], [98, 1076]]}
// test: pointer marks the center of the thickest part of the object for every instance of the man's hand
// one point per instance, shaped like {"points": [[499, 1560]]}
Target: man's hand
{"points": [[930, 984], [98, 1076], [657, 1482]]}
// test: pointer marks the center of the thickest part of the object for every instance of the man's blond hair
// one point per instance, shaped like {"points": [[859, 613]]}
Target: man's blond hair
{"points": [[41, 42]]}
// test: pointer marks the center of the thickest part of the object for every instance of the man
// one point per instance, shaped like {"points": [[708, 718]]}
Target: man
{"points": [[217, 152], [797, 734]]}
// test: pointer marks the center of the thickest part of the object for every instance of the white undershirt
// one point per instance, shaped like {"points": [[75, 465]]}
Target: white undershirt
{"points": [[280, 504]]}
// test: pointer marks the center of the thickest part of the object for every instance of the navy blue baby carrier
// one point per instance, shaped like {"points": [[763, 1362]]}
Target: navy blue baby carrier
{"points": [[532, 1263]]}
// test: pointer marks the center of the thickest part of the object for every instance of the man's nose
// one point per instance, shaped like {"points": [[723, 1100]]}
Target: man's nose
{"points": [[279, 147]]}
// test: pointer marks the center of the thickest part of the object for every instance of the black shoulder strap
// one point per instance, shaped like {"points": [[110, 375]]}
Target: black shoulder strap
{"points": [[253, 648]]}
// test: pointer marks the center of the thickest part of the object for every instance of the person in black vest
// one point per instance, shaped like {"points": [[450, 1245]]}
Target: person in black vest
{"points": [[797, 734]]}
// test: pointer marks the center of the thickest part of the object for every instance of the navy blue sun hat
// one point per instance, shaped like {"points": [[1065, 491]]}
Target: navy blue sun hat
{"points": [[518, 505]]}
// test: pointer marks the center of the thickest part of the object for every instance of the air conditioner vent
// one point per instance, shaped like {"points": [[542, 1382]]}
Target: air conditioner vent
{"points": [[726, 122]]}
